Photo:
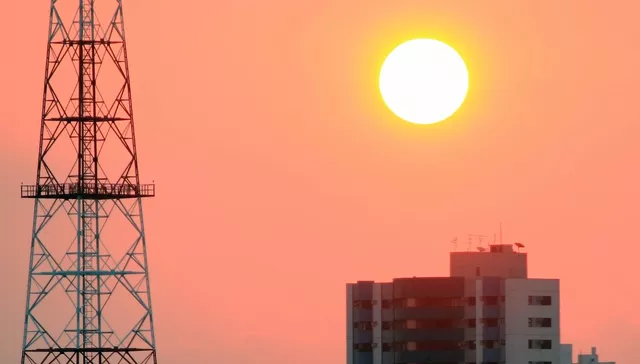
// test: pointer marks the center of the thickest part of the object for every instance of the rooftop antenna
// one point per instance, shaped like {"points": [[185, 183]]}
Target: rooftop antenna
{"points": [[501, 233], [479, 237], [455, 244], [469, 243], [519, 245]]}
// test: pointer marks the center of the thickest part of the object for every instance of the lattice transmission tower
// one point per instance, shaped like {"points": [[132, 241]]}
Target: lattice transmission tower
{"points": [[88, 295]]}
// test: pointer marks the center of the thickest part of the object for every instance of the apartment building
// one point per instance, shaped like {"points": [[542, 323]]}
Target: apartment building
{"points": [[487, 311]]}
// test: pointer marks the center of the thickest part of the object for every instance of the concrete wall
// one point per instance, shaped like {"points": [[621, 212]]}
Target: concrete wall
{"points": [[350, 324], [506, 264], [566, 354], [517, 314], [361, 291], [377, 324]]}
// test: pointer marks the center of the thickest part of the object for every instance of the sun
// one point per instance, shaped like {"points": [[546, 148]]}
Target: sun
{"points": [[424, 81]]}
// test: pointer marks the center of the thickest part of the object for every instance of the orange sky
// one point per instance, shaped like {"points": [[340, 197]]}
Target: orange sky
{"points": [[281, 175]]}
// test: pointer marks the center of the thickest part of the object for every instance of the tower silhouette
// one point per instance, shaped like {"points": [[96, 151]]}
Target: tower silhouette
{"points": [[88, 295]]}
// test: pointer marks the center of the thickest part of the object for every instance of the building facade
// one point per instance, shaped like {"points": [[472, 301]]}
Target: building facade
{"points": [[487, 311], [566, 354]]}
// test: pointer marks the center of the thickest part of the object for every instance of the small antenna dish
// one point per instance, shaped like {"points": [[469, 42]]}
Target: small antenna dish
{"points": [[481, 249], [519, 245], [478, 237]]}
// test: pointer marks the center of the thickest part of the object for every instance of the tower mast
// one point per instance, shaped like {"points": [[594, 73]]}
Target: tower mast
{"points": [[88, 172]]}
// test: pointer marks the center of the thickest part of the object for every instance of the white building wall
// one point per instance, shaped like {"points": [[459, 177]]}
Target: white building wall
{"points": [[349, 323], [566, 354], [377, 323], [479, 316], [517, 314], [469, 312]]}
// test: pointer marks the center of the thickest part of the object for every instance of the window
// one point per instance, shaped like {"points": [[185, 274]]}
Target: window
{"points": [[539, 322], [364, 326], [540, 344], [365, 304], [386, 304], [471, 323], [540, 300], [489, 344], [386, 325], [490, 322], [432, 302], [432, 345], [363, 347], [539, 362], [427, 324], [490, 300], [471, 301], [386, 347]]}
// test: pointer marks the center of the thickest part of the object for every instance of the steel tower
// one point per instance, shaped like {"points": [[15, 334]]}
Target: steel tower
{"points": [[85, 303]]}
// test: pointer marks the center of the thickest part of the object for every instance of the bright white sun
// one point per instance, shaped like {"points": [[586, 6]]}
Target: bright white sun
{"points": [[424, 81]]}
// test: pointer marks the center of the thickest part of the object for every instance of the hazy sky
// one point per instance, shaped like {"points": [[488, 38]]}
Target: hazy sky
{"points": [[281, 176]]}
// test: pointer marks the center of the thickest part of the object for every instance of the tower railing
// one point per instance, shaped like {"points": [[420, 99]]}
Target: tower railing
{"points": [[88, 190]]}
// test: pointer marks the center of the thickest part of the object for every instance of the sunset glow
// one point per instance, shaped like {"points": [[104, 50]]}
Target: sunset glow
{"points": [[282, 172]]}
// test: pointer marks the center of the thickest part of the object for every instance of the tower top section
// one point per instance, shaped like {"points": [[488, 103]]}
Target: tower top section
{"points": [[87, 141]]}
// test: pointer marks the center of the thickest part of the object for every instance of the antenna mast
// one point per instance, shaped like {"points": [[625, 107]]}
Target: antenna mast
{"points": [[479, 237]]}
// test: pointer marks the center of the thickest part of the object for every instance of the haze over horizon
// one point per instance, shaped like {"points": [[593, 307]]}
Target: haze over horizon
{"points": [[281, 175]]}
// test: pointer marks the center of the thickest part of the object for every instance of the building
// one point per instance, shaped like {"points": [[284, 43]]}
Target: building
{"points": [[566, 354], [591, 358], [487, 311]]}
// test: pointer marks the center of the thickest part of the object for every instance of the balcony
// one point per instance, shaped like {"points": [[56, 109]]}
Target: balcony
{"points": [[101, 191]]}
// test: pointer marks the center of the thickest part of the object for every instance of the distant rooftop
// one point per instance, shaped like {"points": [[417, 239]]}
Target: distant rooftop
{"points": [[501, 260]]}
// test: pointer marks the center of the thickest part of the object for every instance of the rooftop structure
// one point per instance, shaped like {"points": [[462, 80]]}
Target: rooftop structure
{"points": [[592, 358]]}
